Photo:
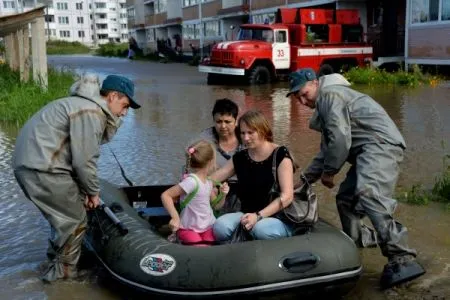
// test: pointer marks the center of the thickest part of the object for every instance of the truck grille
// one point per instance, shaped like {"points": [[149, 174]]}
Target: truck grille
{"points": [[221, 57]]}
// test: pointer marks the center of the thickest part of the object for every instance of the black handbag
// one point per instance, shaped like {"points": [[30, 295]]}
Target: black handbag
{"points": [[303, 209]]}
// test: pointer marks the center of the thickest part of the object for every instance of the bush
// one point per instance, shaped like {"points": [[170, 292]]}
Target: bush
{"points": [[373, 76], [113, 50], [63, 47]]}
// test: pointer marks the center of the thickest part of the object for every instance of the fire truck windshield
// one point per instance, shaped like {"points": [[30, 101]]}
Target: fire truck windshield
{"points": [[258, 34]]}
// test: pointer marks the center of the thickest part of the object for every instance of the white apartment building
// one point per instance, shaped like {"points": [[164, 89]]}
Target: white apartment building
{"points": [[89, 22], [8, 7]]}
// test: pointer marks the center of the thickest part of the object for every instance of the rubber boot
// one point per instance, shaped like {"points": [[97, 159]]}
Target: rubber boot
{"points": [[400, 269], [63, 265]]}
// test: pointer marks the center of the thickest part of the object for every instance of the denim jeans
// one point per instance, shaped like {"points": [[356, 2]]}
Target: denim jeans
{"points": [[266, 229]]}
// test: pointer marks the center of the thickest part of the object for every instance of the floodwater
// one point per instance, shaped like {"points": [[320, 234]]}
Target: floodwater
{"points": [[176, 105]]}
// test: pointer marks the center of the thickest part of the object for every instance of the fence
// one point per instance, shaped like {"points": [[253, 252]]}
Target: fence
{"points": [[15, 30]]}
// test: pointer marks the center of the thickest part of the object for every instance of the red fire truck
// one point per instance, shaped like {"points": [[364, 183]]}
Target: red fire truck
{"points": [[326, 40]]}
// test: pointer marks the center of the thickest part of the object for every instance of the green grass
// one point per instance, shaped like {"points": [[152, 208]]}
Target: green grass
{"points": [[440, 192], [374, 76], [20, 100], [63, 47]]}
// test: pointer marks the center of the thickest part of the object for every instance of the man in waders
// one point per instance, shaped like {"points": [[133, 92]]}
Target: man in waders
{"points": [[55, 162], [358, 130]]}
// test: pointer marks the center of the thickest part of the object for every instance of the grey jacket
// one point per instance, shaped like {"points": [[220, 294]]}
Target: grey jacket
{"points": [[64, 137], [347, 120]]}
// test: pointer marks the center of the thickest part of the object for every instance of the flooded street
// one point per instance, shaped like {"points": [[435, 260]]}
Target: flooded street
{"points": [[176, 106]]}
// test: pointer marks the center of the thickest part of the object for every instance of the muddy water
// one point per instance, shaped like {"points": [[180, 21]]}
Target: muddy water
{"points": [[176, 105]]}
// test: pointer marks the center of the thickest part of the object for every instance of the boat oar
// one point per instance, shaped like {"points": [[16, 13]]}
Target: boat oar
{"points": [[123, 230]]}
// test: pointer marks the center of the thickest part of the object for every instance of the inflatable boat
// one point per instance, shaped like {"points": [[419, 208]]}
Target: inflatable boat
{"points": [[128, 238]]}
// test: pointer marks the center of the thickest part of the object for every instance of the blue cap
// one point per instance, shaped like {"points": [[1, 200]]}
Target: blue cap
{"points": [[299, 78], [122, 85]]}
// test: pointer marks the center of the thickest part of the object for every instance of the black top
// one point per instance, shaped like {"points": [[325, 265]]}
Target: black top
{"points": [[255, 179]]}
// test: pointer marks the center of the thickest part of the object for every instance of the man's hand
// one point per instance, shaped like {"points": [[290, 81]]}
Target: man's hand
{"points": [[92, 202], [327, 180]]}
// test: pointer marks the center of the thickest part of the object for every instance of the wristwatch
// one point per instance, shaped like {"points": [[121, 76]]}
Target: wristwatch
{"points": [[258, 217]]}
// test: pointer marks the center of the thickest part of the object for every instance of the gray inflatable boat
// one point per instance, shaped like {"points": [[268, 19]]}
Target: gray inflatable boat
{"points": [[136, 252]]}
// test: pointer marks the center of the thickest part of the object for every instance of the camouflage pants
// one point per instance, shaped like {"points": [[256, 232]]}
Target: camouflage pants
{"points": [[61, 202], [367, 191]]}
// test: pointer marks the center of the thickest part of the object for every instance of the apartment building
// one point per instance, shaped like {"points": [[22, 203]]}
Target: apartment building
{"points": [[8, 7], [427, 32], [87, 21], [205, 22]]}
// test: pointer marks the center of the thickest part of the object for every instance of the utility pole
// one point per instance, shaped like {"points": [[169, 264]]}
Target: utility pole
{"points": [[250, 11], [201, 28], [94, 25]]}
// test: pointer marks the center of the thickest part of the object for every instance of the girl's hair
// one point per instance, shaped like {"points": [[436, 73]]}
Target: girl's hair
{"points": [[199, 154], [258, 122]]}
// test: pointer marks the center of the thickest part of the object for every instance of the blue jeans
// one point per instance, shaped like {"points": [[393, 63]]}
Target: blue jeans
{"points": [[266, 229]]}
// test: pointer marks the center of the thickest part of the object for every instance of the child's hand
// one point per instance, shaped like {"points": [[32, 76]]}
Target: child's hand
{"points": [[224, 188], [174, 224]]}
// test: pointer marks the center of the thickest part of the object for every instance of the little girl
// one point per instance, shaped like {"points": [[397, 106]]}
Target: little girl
{"points": [[196, 194]]}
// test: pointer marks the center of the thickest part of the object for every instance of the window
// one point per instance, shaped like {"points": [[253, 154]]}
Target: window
{"points": [[281, 37], [9, 4], [130, 12], [211, 28], [49, 18], [445, 10], [64, 33], [123, 16], [160, 6], [81, 34], [79, 6], [424, 11], [124, 36], [100, 5], [123, 26], [263, 19], [191, 2], [62, 6], [80, 20], [191, 31], [63, 20]]}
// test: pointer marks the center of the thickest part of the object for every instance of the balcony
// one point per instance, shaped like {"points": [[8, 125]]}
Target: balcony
{"points": [[150, 20], [101, 20], [101, 10], [102, 31]]}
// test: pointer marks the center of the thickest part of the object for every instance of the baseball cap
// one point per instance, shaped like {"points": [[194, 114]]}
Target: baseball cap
{"points": [[299, 78], [123, 85]]}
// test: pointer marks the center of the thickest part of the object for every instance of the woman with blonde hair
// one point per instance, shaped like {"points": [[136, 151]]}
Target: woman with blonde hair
{"points": [[253, 168]]}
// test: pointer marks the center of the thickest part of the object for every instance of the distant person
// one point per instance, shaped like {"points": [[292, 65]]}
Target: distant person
{"points": [[224, 135], [196, 194], [133, 48], [55, 162], [356, 129]]}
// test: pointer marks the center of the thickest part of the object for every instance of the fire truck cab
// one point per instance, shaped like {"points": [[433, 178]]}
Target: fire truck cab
{"points": [[323, 39]]}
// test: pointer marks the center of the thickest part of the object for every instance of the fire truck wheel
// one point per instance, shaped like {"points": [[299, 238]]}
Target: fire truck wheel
{"points": [[326, 69], [259, 75]]}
